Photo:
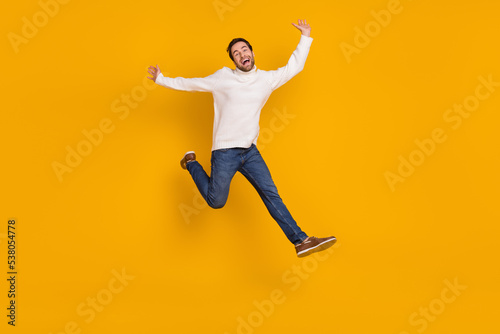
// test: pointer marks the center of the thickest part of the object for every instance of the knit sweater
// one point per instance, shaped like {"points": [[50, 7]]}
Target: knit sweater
{"points": [[240, 96]]}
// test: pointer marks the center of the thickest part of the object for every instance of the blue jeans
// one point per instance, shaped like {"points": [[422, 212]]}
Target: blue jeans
{"points": [[249, 162]]}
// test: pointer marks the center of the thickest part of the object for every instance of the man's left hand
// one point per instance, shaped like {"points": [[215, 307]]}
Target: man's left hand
{"points": [[304, 28]]}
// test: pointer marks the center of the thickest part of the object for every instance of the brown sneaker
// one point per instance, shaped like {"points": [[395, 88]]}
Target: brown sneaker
{"points": [[189, 156], [313, 245]]}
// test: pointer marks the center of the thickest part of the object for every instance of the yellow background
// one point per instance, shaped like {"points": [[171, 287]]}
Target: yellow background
{"points": [[121, 207]]}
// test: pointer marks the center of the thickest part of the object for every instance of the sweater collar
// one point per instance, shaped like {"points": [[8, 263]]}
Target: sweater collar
{"points": [[240, 72]]}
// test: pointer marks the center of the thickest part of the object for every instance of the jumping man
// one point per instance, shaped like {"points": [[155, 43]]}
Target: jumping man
{"points": [[239, 96]]}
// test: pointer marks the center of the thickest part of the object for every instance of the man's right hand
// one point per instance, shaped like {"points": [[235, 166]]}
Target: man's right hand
{"points": [[154, 71]]}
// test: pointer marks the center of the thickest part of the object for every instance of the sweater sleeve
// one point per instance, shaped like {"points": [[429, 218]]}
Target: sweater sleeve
{"points": [[295, 64], [206, 84]]}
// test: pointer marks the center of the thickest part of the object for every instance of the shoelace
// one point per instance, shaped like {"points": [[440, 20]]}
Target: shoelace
{"points": [[308, 240]]}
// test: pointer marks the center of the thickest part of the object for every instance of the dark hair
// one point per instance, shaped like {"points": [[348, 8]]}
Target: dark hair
{"points": [[233, 42]]}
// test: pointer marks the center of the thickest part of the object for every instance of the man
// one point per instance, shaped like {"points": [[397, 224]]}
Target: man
{"points": [[239, 96]]}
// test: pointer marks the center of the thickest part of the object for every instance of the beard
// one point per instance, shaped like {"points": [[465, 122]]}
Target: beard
{"points": [[248, 67]]}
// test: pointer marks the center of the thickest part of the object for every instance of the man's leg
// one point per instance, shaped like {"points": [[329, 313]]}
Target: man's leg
{"points": [[255, 170], [215, 189]]}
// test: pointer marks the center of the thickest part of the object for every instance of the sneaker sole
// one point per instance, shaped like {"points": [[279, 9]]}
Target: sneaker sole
{"points": [[318, 248]]}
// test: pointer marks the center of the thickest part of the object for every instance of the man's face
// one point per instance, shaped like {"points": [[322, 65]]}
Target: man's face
{"points": [[243, 56]]}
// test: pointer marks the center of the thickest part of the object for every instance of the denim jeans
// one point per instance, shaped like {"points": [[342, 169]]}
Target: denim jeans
{"points": [[249, 162]]}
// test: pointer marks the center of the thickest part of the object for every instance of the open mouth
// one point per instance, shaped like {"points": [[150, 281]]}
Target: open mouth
{"points": [[245, 62]]}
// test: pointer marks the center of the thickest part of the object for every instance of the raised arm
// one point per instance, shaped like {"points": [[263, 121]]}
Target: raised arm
{"points": [[297, 60]]}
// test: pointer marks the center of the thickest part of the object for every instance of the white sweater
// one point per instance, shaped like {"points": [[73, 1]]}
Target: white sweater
{"points": [[240, 96]]}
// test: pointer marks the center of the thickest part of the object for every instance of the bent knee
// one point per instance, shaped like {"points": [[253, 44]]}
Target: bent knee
{"points": [[217, 204]]}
